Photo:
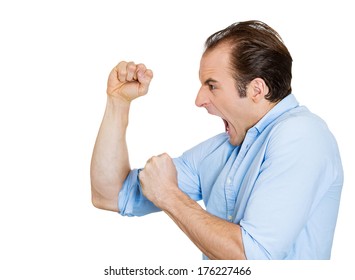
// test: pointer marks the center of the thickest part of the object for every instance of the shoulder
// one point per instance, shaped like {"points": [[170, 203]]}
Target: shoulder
{"points": [[299, 131], [300, 123]]}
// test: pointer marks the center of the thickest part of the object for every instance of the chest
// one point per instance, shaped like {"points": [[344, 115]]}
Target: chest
{"points": [[229, 181]]}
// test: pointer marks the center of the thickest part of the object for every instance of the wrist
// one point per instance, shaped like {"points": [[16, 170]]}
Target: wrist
{"points": [[117, 102], [174, 201], [117, 109]]}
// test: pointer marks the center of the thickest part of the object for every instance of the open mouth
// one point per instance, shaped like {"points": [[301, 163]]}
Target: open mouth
{"points": [[226, 125]]}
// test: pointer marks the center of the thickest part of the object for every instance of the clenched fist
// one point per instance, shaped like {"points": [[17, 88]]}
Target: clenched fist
{"points": [[129, 81], [159, 180]]}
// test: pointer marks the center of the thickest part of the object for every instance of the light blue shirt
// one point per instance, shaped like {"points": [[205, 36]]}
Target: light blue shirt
{"points": [[282, 185]]}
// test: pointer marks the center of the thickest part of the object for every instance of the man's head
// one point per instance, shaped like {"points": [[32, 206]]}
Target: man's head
{"points": [[256, 51], [244, 71]]}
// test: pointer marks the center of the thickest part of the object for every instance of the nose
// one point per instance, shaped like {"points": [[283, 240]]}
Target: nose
{"points": [[201, 98]]}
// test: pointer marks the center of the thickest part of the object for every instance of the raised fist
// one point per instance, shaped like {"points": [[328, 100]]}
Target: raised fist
{"points": [[129, 80]]}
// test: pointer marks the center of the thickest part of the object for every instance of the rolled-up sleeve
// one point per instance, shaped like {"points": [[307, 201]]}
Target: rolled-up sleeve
{"points": [[131, 201]]}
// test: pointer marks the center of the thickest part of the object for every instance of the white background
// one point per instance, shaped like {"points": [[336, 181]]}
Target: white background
{"points": [[55, 57]]}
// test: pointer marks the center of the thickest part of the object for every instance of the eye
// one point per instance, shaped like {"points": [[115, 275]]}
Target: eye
{"points": [[211, 84], [211, 87]]}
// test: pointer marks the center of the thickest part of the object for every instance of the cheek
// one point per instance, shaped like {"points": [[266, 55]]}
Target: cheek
{"points": [[225, 106]]}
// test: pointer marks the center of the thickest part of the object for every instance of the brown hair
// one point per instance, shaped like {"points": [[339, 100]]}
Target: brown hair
{"points": [[257, 51]]}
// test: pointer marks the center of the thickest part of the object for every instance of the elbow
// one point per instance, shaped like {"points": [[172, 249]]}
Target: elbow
{"points": [[96, 198], [104, 200], [96, 201]]}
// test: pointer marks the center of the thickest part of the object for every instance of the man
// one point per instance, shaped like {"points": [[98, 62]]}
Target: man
{"points": [[271, 183]]}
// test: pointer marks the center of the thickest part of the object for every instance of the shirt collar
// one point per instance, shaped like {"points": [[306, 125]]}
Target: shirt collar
{"points": [[286, 104]]}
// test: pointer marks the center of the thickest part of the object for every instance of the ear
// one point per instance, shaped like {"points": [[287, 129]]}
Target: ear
{"points": [[257, 89]]}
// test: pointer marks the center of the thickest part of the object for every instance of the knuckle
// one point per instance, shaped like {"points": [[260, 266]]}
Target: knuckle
{"points": [[131, 66], [121, 67], [121, 64], [141, 66]]}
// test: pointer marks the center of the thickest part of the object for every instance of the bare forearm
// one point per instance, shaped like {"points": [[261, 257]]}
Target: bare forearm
{"points": [[110, 163], [216, 238]]}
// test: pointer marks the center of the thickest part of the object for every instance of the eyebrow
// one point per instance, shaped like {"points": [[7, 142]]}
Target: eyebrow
{"points": [[208, 81]]}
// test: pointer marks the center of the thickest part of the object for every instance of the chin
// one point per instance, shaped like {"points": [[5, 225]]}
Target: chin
{"points": [[233, 142]]}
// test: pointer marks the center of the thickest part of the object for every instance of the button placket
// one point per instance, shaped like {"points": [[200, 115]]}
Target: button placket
{"points": [[231, 186], [230, 198]]}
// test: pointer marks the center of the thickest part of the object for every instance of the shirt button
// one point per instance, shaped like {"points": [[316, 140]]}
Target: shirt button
{"points": [[230, 218], [229, 181]]}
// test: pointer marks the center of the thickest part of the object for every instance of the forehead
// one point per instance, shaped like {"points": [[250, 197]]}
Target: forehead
{"points": [[215, 60]]}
